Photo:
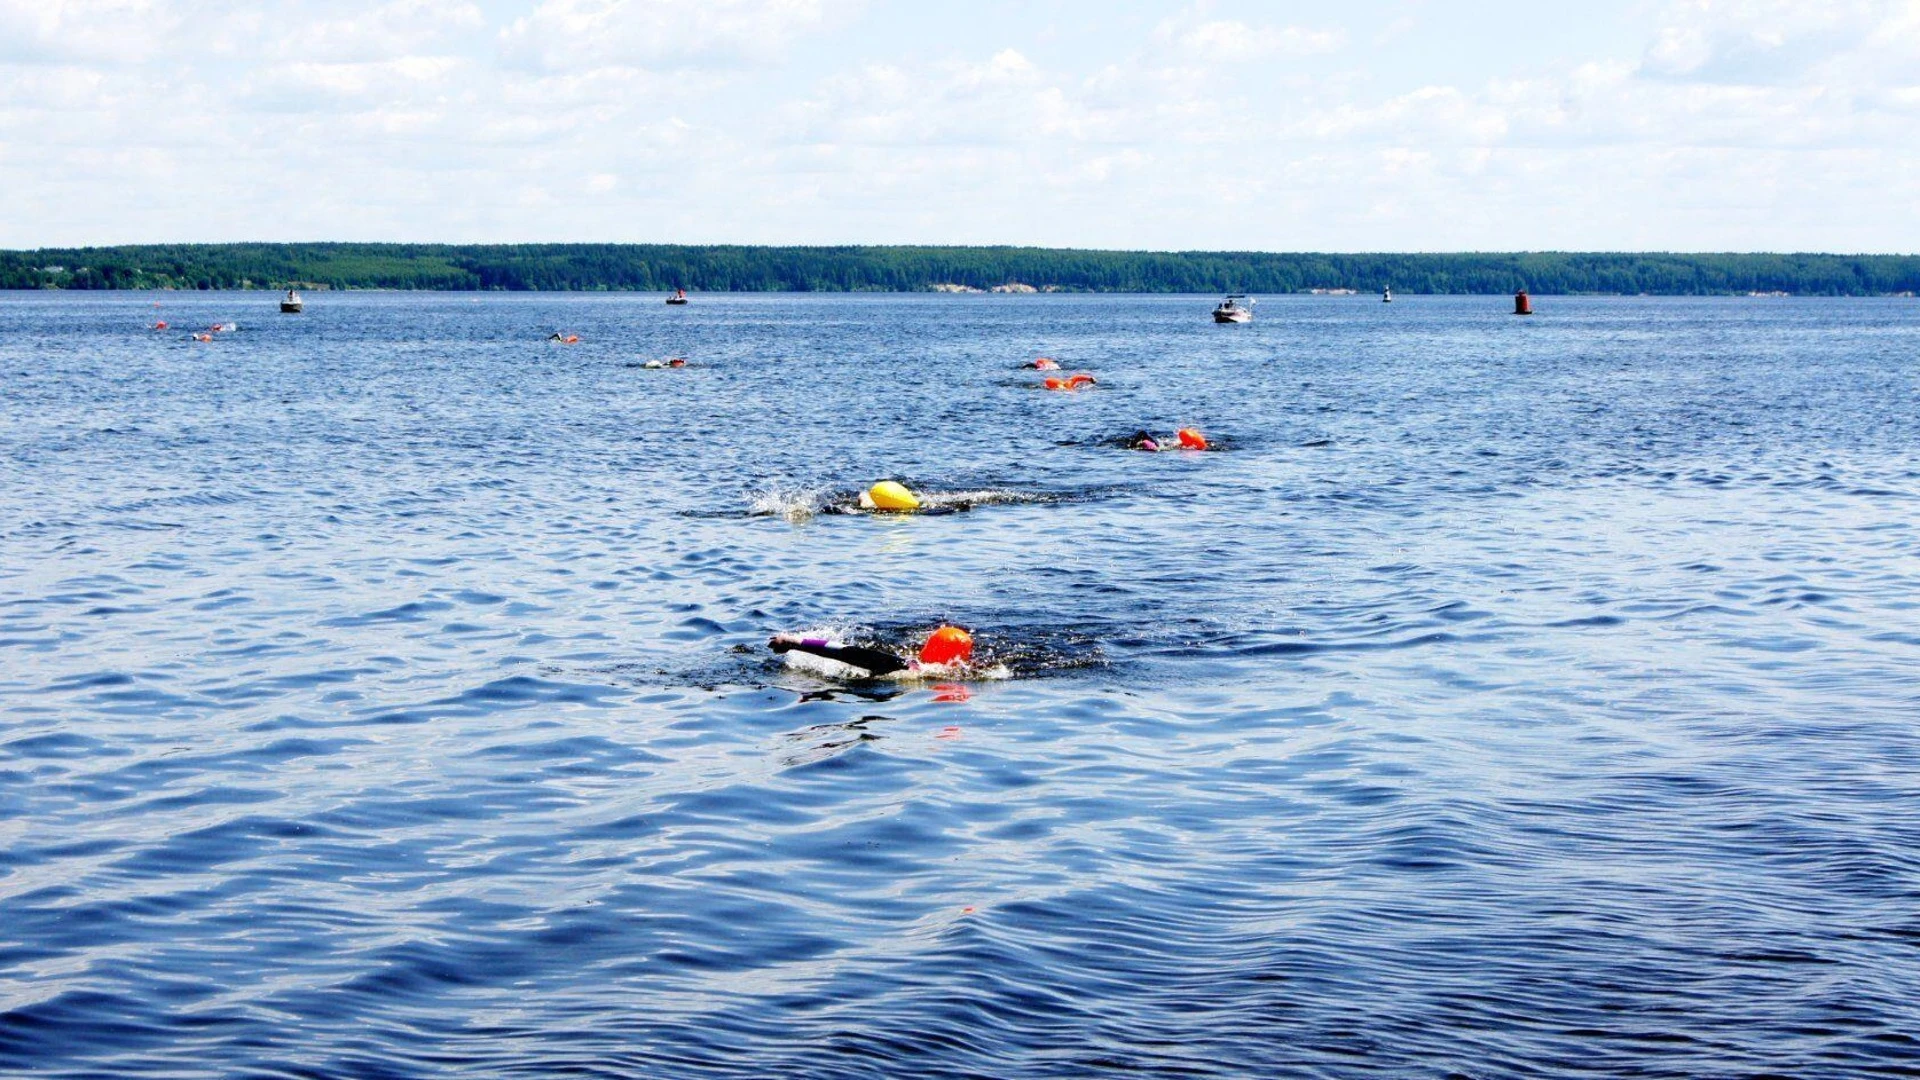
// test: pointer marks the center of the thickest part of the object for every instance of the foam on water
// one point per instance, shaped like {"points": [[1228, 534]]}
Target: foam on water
{"points": [[793, 504]]}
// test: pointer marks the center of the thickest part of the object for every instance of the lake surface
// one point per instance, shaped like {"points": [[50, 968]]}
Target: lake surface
{"points": [[384, 690]]}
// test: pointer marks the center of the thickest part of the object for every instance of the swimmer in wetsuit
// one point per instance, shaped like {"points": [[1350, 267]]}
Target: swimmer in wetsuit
{"points": [[945, 646], [1184, 439]]}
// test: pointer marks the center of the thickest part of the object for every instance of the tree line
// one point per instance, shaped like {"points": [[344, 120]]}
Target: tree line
{"points": [[726, 268]]}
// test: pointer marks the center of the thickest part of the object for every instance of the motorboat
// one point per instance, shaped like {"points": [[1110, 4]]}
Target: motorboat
{"points": [[679, 297], [291, 304], [1236, 308]]}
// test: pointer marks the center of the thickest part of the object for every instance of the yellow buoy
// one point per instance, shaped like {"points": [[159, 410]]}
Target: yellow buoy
{"points": [[887, 495]]}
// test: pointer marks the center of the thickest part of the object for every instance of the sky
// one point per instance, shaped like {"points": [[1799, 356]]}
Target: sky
{"points": [[1400, 125]]}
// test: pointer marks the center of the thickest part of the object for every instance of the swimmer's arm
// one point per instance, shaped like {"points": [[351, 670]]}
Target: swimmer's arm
{"points": [[875, 661]]}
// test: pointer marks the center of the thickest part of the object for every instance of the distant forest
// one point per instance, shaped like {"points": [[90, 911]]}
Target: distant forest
{"points": [[658, 267]]}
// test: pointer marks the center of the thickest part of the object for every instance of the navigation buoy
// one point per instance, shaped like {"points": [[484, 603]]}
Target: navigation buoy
{"points": [[1190, 439], [887, 495], [947, 645], [1522, 303]]}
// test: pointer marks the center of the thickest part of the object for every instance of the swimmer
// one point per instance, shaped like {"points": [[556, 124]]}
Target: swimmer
{"points": [[1045, 363], [945, 647], [1184, 439], [655, 365], [564, 339]]}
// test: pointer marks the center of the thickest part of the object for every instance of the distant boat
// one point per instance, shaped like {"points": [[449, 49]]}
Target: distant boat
{"points": [[1232, 310], [1386, 295], [679, 297], [291, 304]]}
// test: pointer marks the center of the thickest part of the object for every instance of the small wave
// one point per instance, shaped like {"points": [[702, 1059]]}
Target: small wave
{"points": [[793, 504], [967, 500]]}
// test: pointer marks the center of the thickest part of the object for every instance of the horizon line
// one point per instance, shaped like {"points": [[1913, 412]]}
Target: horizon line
{"points": [[956, 247]]}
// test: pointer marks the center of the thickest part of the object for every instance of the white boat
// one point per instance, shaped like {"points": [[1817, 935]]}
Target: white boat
{"points": [[1234, 309], [291, 304], [679, 297]]}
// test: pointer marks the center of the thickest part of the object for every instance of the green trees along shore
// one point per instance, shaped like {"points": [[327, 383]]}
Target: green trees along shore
{"points": [[660, 267]]}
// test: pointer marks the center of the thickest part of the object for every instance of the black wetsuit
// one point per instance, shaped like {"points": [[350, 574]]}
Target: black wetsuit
{"points": [[875, 662]]}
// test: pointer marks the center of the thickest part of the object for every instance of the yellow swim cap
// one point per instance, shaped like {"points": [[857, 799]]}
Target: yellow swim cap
{"points": [[887, 495]]}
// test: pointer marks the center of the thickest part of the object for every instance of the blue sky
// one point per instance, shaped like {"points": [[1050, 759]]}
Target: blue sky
{"points": [[1672, 125]]}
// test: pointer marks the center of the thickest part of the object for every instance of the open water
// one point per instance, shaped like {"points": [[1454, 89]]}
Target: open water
{"points": [[384, 691]]}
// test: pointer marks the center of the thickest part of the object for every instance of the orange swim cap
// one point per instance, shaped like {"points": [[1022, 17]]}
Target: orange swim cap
{"points": [[948, 644], [1192, 440]]}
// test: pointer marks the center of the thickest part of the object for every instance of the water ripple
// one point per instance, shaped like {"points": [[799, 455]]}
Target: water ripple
{"points": [[387, 695]]}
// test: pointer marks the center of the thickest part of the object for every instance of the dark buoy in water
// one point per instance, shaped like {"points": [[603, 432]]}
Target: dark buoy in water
{"points": [[1522, 303]]}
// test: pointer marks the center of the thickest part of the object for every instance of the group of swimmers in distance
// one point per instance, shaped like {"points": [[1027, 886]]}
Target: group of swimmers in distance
{"points": [[199, 335], [1079, 380], [562, 338], [947, 650]]}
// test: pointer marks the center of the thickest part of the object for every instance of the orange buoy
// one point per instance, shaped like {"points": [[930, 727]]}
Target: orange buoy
{"points": [[1522, 303], [161, 325], [1190, 439], [947, 645]]}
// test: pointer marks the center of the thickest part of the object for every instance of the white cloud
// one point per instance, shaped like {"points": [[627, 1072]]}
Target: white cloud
{"points": [[1707, 123], [563, 35], [77, 31], [1002, 100], [1230, 41], [1779, 41]]}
